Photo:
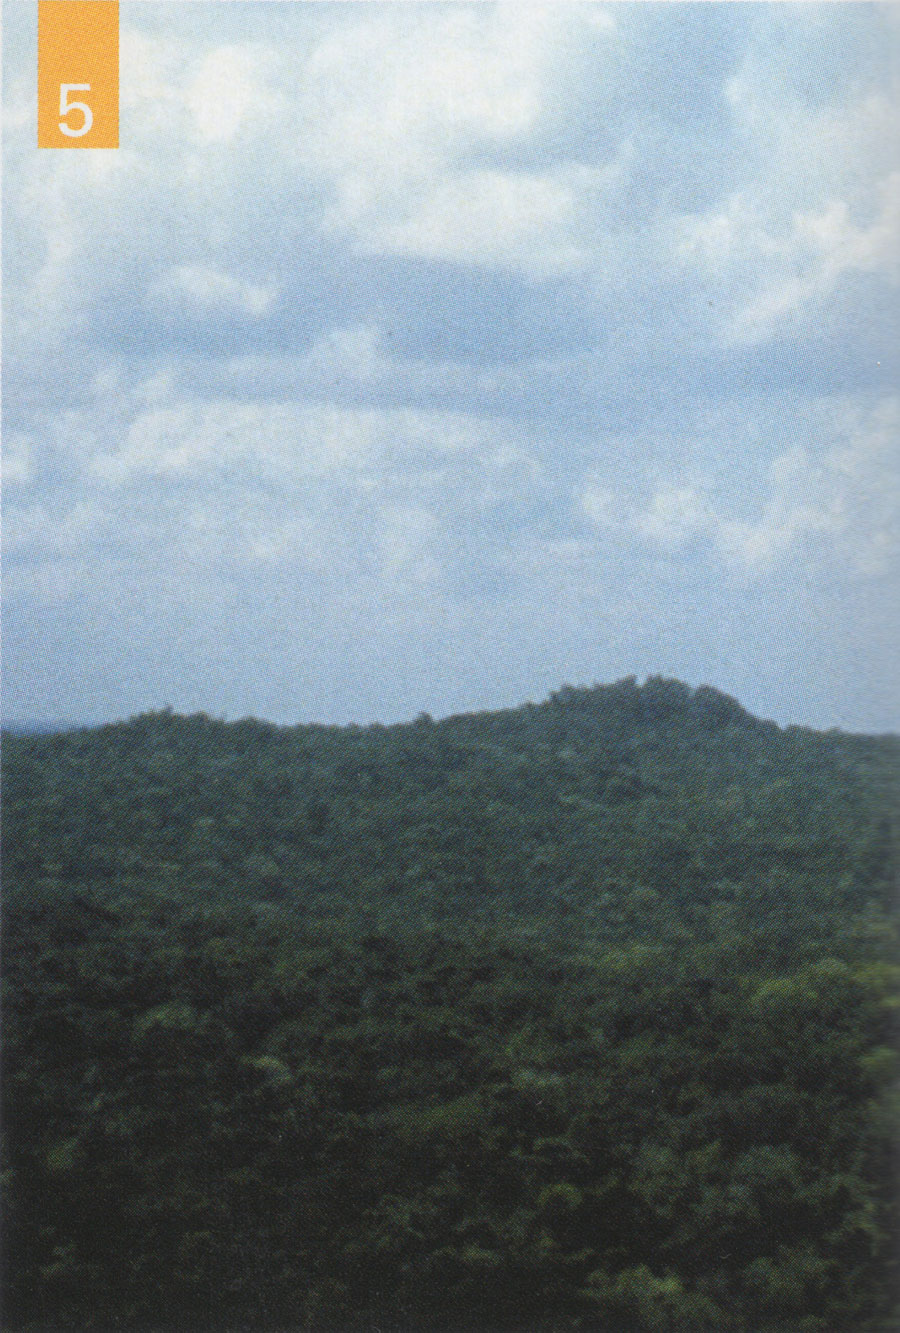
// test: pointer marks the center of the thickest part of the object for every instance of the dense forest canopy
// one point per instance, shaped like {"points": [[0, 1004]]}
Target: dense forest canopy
{"points": [[574, 1016]]}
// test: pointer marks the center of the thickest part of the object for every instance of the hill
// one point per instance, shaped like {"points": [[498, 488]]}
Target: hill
{"points": [[596, 789], [571, 1016]]}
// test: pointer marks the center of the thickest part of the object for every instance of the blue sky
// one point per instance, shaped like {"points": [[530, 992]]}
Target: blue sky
{"points": [[423, 357]]}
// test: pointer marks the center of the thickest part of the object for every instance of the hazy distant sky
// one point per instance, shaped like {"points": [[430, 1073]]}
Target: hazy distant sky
{"points": [[424, 357]]}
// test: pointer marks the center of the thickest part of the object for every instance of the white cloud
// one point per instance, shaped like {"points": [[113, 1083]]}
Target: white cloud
{"points": [[151, 92], [17, 462], [354, 352], [210, 289], [381, 95], [769, 269], [205, 439], [599, 503], [675, 516], [230, 84], [409, 540], [819, 200], [523, 222], [824, 246], [51, 531], [831, 507], [391, 111], [283, 440]]}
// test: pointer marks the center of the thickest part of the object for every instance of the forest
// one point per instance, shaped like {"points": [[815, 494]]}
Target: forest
{"points": [[575, 1016]]}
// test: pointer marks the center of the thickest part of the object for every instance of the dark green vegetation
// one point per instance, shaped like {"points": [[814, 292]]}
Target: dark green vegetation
{"points": [[577, 1016]]}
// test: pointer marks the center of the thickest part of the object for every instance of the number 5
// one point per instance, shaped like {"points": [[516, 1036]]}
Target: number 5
{"points": [[65, 106]]}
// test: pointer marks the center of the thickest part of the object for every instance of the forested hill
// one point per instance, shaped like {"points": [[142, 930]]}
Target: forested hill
{"points": [[597, 790], [577, 1016]]}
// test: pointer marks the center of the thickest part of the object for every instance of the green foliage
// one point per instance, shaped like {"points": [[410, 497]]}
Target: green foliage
{"points": [[580, 1016]]}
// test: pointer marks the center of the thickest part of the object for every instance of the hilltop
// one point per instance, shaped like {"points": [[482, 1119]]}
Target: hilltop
{"points": [[659, 786]]}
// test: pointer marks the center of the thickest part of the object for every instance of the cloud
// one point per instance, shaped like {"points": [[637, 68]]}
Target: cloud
{"points": [[209, 290], [833, 507], [410, 544], [523, 222], [17, 464], [826, 246], [819, 203], [210, 439], [673, 518], [229, 85], [406, 95], [398, 108]]}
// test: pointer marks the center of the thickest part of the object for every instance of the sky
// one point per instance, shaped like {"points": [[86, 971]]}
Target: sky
{"points": [[417, 357]]}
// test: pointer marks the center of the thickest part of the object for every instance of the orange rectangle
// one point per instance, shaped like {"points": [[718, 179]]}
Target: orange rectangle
{"points": [[78, 74]]}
